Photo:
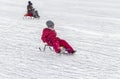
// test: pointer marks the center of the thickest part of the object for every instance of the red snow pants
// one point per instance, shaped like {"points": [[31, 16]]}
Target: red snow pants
{"points": [[61, 43]]}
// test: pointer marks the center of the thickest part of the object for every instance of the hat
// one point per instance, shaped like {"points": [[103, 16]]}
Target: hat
{"points": [[29, 2], [49, 23]]}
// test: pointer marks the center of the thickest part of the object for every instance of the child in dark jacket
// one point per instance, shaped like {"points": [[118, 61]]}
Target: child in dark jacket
{"points": [[29, 7]]}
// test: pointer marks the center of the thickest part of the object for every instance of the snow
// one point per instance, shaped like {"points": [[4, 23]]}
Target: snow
{"points": [[90, 26]]}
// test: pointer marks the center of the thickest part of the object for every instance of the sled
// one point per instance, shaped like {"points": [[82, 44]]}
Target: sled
{"points": [[30, 16], [44, 48], [63, 50]]}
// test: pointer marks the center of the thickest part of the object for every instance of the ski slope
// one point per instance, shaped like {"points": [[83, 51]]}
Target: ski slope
{"points": [[92, 27]]}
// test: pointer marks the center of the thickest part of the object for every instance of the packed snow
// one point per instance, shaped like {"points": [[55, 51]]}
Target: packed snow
{"points": [[92, 27]]}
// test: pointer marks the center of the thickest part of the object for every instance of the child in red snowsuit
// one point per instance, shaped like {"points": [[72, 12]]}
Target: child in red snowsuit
{"points": [[49, 36]]}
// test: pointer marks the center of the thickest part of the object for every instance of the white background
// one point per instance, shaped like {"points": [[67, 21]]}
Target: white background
{"points": [[92, 27]]}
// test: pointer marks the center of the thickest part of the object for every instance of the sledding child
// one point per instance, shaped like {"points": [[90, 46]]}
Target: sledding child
{"points": [[49, 36], [29, 7]]}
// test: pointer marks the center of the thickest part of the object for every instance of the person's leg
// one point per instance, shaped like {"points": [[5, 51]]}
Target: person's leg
{"points": [[37, 14], [66, 46], [56, 46]]}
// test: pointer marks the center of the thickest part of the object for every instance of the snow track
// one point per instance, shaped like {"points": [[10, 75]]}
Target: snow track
{"points": [[91, 27]]}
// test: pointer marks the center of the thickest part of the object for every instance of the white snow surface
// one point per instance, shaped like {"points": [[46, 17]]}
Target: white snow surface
{"points": [[92, 27]]}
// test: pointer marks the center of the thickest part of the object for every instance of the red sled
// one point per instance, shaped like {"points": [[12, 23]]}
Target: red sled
{"points": [[30, 16]]}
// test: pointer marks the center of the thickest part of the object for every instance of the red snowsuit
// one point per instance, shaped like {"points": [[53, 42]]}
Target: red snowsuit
{"points": [[49, 37]]}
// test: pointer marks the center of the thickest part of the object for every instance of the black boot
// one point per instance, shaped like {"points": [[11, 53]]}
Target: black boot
{"points": [[72, 52]]}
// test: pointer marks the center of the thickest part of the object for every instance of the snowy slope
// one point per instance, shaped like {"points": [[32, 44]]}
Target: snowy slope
{"points": [[90, 26]]}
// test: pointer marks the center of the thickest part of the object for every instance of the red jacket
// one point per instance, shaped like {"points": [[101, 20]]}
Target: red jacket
{"points": [[49, 36]]}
